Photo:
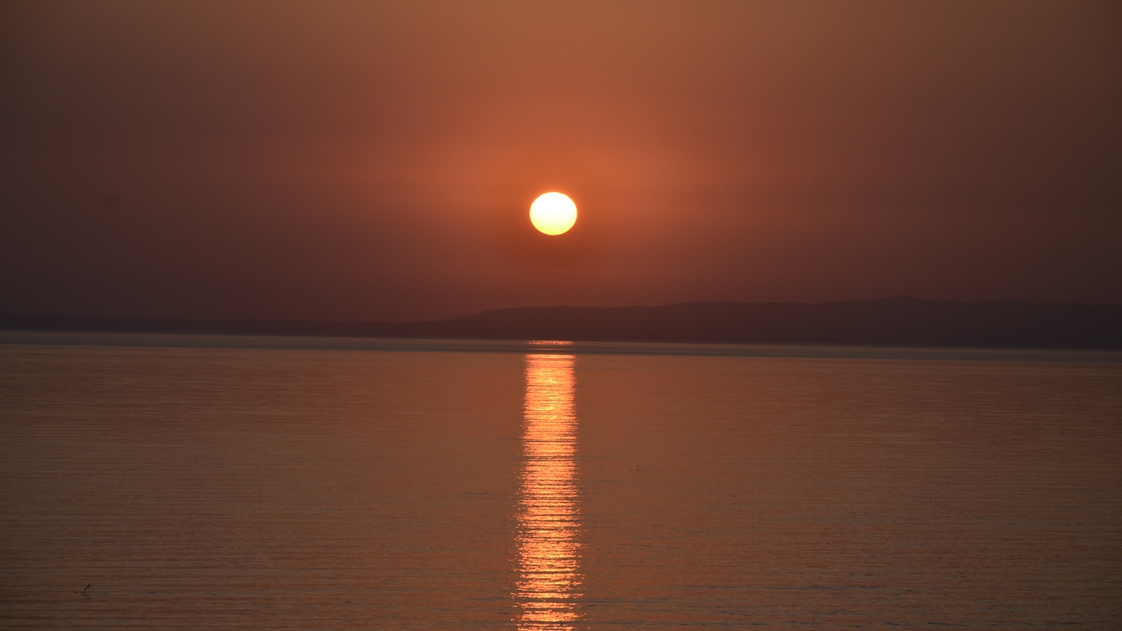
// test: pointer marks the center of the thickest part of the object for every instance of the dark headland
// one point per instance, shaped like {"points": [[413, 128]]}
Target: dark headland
{"points": [[898, 321]]}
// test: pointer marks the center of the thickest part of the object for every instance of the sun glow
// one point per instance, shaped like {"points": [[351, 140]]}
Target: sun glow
{"points": [[553, 213]]}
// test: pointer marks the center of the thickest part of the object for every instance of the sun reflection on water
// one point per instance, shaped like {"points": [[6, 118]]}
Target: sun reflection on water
{"points": [[548, 512]]}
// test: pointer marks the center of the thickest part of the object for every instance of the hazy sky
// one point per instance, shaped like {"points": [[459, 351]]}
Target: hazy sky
{"points": [[371, 160]]}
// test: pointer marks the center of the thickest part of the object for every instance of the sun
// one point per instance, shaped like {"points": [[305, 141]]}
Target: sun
{"points": [[553, 213]]}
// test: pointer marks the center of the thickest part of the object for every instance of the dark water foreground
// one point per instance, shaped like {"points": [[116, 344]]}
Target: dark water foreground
{"points": [[230, 483]]}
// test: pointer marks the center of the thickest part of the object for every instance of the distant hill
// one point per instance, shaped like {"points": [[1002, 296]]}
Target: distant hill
{"points": [[898, 321]]}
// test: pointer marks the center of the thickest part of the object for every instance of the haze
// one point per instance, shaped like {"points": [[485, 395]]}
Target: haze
{"points": [[353, 161]]}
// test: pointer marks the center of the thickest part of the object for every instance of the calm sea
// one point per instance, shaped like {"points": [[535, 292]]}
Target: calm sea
{"points": [[278, 483]]}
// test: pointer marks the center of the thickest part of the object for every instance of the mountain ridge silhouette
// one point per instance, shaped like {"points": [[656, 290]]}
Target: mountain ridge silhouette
{"points": [[899, 320]]}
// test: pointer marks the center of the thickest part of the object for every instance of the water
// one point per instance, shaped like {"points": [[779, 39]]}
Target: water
{"points": [[226, 483]]}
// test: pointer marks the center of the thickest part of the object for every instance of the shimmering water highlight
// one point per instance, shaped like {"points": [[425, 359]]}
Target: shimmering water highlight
{"points": [[548, 501]]}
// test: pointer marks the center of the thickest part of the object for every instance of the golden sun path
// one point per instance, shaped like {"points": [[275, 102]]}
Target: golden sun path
{"points": [[548, 510]]}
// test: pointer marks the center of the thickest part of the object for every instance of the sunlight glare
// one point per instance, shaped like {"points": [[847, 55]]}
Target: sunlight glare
{"points": [[553, 213], [548, 512]]}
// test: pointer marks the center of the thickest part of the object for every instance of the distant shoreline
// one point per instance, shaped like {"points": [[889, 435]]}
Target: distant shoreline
{"points": [[898, 321], [299, 343]]}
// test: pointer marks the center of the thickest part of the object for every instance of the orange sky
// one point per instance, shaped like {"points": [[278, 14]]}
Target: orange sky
{"points": [[360, 161]]}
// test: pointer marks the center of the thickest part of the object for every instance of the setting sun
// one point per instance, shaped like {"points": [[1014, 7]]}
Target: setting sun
{"points": [[553, 213]]}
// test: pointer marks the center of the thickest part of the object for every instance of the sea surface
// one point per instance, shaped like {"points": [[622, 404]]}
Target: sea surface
{"points": [[220, 482]]}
